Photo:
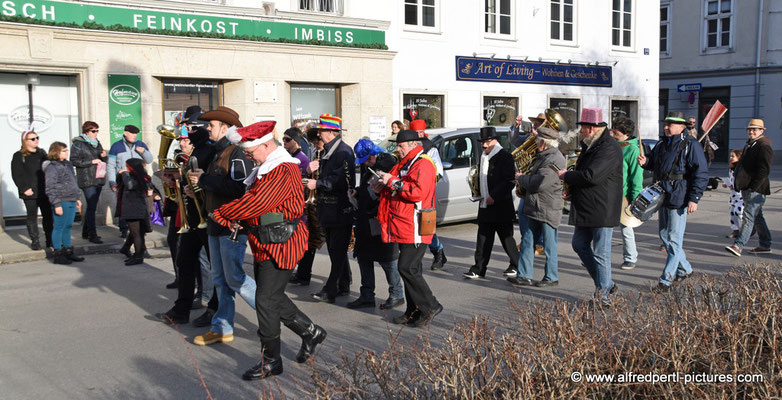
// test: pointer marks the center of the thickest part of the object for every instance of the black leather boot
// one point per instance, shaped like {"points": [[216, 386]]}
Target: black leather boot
{"points": [[60, 257], [71, 256], [35, 244], [270, 364], [311, 335], [439, 260]]}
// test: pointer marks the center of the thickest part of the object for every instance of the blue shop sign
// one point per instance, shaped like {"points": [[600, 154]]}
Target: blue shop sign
{"points": [[491, 70]]}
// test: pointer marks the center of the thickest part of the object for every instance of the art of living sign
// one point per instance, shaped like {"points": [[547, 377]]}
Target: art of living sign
{"points": [[493, 70], [78, 13]]}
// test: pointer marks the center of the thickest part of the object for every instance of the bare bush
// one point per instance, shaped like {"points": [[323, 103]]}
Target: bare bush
{"points": [[710, 328]]}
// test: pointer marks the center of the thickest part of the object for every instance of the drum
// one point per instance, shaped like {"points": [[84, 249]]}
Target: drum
{"points": [[627, 218], [648, 202]]}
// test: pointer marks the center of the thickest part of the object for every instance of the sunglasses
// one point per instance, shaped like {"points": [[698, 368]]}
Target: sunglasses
{"points": [[286, 139], [94, 130], [33, 139]]}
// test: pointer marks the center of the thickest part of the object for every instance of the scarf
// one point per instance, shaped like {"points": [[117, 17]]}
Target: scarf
{"points": [[275, 158], [384, 208], [483, 177], [88, 139]]}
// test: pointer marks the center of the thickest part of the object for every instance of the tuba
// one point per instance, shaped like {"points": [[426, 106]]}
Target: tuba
{"points": [[524, 155], [167, 136]]}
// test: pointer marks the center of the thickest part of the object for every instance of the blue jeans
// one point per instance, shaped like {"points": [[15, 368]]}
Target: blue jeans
{"points": [[367, 268], [593, 246], [227, 258], [436, 245], [672, 224], [753, 217], [91, 195], [534, 232], [61, 233], [629, 252], [523, 221]]}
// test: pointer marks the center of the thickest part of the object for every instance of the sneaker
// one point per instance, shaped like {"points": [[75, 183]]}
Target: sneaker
{"points": [[627, 265], [511, 271], [471, 275], [760, 250], [546, 283], [733, 249], [212, 338]]}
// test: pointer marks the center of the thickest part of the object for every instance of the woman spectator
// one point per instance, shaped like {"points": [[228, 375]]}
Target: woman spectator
{"points": [[397, 126], [135, 192], [63, 192], [28, 176], [87, 155]]}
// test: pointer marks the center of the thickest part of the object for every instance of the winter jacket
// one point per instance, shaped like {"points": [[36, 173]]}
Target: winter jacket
{"points": [[595, 185], [334, 208], [133, 198], [82, 154], [689, 179], [120, 152], [223, 180], [367, 245], [60, 182], [543, 201], [417, 192], [500, 183], [28, 174], [753, 167], [632, 172]]}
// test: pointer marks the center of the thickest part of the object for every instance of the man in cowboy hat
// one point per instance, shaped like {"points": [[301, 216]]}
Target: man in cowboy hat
{"points": [[495, 212], [752, 179], [335, 212], [595, 189], [680, 168]]}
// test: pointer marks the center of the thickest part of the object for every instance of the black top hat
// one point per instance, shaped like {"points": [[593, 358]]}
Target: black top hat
{"points": [[191, 115], [406, 135], [488, 133]]}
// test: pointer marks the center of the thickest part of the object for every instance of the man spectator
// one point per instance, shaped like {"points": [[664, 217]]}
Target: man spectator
{"points": [[495, 212], [751, 177], [436, 247], [595, 190], [623, 130], [120, 152], [404, 191], [335, 212], [369, 244], [680, 168], [542, 210]]}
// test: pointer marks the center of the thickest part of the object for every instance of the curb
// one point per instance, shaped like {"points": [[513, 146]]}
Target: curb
{"points": [[38, 255]]}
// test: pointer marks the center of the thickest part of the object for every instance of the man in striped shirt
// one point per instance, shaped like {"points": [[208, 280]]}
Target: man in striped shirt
{"points": [[271, 210]]}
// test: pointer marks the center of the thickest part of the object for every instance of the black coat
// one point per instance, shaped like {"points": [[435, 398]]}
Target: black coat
{"points": [[82, 154], [501, 181], [595, 185], [368, 245], [28, 174], [223, 180], [133, 202], [334, 208], [753, 167]]}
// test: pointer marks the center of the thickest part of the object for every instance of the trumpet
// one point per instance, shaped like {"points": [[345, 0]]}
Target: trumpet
{"points": [[311, 196]]}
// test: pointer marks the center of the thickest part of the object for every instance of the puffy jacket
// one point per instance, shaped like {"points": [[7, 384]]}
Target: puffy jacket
{"points": [[690, 178], [28, 173], [122, 151], [753, 167], [60, 182], [334, 208], [417, 192], [82, 154], [595, 185], [543, 201]]}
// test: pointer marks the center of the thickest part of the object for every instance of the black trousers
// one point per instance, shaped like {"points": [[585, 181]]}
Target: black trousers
{"points": [[485, 242], [189, 266], [32, 206], [304, 270], [337, 241], [272, 305], [172, 239], [417, 292]]}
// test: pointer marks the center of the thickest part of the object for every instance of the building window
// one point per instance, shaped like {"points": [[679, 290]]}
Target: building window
{"points": [[563, 20], [327, 6], [309, 101], [627, 108], [500, 111], [421, 13], [178, 94], [665, 28], [426, 107], [568, 109], [622, 23], [497, 17], [719, 15]]}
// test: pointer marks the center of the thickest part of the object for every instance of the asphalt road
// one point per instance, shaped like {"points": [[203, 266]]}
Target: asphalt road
{"points": [[88, 330]]}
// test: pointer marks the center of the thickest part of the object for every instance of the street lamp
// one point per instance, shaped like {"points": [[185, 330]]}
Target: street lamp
{"points": [[32, 79]]}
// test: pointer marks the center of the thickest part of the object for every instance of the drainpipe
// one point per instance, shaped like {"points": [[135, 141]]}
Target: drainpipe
{"points": [[757, 61]]}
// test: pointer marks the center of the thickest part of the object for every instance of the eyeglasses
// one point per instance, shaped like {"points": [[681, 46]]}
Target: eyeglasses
{"points": [[286, 139], [33, 139], [94, 130]]}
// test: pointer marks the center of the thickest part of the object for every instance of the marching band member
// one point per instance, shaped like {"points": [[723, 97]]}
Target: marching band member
{"points": [[272, 208]]}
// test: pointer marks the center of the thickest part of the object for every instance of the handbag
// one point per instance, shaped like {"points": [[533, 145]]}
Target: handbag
{"points": [[100, 170], [427, 221], [156, 217]]}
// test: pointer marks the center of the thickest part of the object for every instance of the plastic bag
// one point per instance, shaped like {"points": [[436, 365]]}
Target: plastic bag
{"points": [[156, 217]]}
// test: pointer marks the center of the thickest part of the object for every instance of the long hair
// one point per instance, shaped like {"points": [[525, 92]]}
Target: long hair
{"points": [[738, 153], [55, 149], [138, 172], [24, 138]]}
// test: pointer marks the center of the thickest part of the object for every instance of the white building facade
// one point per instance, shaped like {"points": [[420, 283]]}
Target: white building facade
{"points": [[726, 50]]}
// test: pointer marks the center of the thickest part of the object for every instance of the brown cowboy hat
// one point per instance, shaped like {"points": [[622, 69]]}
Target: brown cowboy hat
{"points": [[222, 114], [540, 119], [756, 123]]}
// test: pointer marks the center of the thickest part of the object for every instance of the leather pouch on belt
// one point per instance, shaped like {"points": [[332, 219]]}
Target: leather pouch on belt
{"points": [[274, 229]]}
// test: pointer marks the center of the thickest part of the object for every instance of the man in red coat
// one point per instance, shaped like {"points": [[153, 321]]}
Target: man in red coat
{"points": [[271, 210], [406, 190]]}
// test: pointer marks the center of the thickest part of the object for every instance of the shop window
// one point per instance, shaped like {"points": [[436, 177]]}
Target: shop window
{"points": [[569, 110], [719, 16], [627, 108], [622, 23], [422, 13], [563, 21], [179, 94], [498, 17], [458, 151], [426, 107], [665, 29], [500, 111], [324, 6], [309, 101]]}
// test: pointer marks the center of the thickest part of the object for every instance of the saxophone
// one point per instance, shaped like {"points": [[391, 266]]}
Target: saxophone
{"points": [[311, 197]]}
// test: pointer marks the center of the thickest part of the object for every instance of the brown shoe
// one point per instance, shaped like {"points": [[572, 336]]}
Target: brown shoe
{"points": [[211, 338]]}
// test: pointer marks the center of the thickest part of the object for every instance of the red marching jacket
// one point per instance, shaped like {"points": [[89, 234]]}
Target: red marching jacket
{"points": [[279, 190], [398, 210]]}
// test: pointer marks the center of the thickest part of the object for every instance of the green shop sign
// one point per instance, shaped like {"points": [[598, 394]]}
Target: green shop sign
{"points": [[124, 104], [151, 21]]}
